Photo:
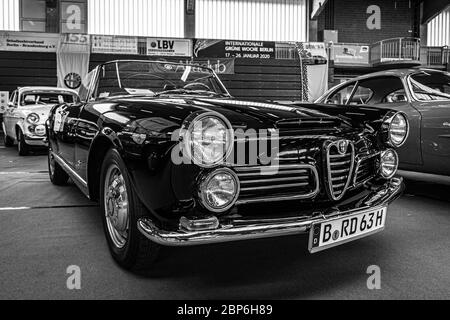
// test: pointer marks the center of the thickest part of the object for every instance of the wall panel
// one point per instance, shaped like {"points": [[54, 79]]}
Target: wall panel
{"points": [[439, 30], [9, 15], [156, 18], [269, 20], [20, 69]]}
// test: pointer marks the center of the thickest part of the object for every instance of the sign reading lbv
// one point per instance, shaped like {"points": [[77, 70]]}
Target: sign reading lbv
{"points": [[169, 47], [73, 16]]}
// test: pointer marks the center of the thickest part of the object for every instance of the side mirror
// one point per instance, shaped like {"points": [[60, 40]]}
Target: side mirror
{"points": [[11, 105]]}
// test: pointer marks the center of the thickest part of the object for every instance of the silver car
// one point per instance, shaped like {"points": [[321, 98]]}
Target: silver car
{"points": [[24, 119]]}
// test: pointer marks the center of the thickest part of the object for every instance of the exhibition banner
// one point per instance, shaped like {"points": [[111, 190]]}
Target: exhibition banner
{"points": [[28, 41], [313, 69], [350, 54], [73, 56], [206, 48], [169, 47], [220, 66], [114, 44]]}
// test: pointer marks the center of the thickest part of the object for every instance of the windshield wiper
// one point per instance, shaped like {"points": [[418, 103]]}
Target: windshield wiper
{"points": [[185, 91], [174, 91]]}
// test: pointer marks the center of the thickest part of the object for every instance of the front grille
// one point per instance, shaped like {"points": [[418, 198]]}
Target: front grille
{"points": [[366, 169], [290, 182], [340, 168]]}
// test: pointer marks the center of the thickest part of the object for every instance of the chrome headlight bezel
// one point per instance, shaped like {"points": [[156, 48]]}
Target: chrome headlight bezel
{"points": [[203, 190], [387, 129], [383, 163], [35, 116], [187, 139]]}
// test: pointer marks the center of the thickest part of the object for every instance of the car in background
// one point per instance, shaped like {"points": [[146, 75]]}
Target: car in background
{"points": [[423, 95], [174, 160], [27, 111]]}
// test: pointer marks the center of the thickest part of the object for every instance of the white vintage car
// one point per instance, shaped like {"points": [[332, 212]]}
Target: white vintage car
{"points": [[24, 119]]}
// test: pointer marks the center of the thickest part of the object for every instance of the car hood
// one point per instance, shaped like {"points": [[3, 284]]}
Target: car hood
{"points": [[42, 110], [167, 113]]}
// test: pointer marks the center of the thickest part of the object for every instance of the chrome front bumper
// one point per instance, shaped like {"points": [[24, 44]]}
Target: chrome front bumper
{"points": [[241, 229], [36, 141]]}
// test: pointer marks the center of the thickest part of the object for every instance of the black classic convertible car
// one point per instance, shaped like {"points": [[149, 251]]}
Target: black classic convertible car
{"points": [[174, 160]]}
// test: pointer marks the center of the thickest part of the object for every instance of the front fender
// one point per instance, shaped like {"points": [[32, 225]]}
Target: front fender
{"points": [[148, 165]]}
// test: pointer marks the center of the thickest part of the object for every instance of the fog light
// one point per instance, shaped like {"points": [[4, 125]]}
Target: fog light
{"points": [[389, 163], [40, 130], [201, 224], [219, 190]]}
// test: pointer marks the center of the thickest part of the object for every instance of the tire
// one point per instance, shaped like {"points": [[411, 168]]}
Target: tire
{"points": [[57, 174], [22, 146], [8, 141], [132, 251]]}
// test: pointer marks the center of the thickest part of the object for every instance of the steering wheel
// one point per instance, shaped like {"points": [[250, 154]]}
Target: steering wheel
{"points": [[193, 84]]}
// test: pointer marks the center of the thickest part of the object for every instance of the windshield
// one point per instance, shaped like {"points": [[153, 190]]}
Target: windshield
{"points": [[141, 78], [431, 85], [32, 98]]}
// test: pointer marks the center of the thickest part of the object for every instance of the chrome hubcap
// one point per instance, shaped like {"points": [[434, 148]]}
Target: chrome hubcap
{"points": [[116, 206]]}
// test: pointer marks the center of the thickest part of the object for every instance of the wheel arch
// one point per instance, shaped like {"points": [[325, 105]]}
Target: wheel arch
{"points": [[17, 127], [102, 143]]}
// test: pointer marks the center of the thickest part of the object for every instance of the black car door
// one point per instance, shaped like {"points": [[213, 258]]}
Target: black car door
{"points": [[86, 130], [64, 128], [86, 125]]}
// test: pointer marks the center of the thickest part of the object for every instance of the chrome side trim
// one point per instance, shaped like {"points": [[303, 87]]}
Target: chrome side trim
{"points": [[239, 229], [69, 170]]}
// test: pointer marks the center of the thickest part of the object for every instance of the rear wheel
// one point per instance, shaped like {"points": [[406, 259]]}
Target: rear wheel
{"points": [[57, 174], [121, 209], [22, 146], [7, 140]]}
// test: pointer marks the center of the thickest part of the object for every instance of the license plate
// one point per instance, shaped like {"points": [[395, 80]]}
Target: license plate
{"points": [[334, 232]]}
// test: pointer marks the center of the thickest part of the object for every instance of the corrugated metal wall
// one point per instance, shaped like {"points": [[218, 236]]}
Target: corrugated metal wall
{"points": [[157, 18], [439, 30], [9, 15], [269, 20], [26, 69]]}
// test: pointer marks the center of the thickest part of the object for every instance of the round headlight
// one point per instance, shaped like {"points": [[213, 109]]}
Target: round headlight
{"points": [[397, 129], [209, 140], [389, 163], [33, 118], [219, 190]]}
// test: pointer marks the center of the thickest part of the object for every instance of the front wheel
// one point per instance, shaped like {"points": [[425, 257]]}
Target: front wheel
{"points": [[22, 146], [121, 209], [57, 174], [7, 140]]}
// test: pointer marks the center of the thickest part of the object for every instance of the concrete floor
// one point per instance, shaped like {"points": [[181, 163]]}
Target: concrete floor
{"points": [[45, 229]]}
